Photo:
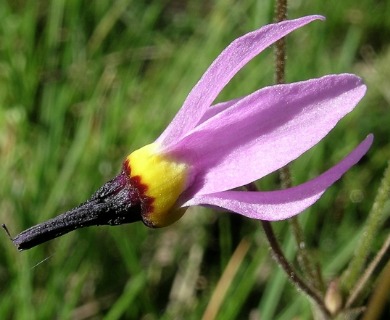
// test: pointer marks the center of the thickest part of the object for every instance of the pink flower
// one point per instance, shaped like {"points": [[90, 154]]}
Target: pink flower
{"points": [[208, 150]]}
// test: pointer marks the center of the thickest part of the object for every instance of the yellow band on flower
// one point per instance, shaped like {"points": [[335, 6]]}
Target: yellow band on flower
{"points": [[163, 180]]}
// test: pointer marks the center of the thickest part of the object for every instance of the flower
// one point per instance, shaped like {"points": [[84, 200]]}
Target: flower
{"points": [[205, 152]]}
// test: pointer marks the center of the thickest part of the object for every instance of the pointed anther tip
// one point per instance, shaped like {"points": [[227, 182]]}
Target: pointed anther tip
{"points": [[10, 237], [6, 231], [115, 203]]}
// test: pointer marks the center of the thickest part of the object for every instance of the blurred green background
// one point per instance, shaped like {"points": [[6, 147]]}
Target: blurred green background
{"points": [[83, 83]]}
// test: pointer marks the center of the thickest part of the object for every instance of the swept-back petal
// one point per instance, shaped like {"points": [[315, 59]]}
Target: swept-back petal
{"points": [[283, 204], [265, 130], [222, 70], [218, 108]]}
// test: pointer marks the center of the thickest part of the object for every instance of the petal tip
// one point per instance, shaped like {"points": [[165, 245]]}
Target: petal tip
{"points": [[353, 82], [364, 146], [314, 17], [369, 139], [319, 17]]}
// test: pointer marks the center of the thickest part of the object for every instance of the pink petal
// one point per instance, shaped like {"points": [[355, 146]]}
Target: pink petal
{"points": [[283, 204], [218, 108], [227, 64], [265, 130]]}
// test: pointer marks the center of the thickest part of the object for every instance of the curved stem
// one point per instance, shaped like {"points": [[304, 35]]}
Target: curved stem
{"points": [[292, 275], [280, 258], [304, 259]]}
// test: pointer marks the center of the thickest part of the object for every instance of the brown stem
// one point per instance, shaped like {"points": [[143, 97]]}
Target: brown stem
{"points": [[280, 46], [292, 275], [305, 261], [280, 258]]}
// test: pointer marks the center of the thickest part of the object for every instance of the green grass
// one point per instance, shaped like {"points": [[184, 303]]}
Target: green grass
{"points": [[84, 83]]}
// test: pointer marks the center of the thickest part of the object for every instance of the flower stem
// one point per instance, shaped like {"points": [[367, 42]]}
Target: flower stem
{"points": [[280, 45], [298, 282], [304, 259], [280, 258], [306, 263], [375, 217]]}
